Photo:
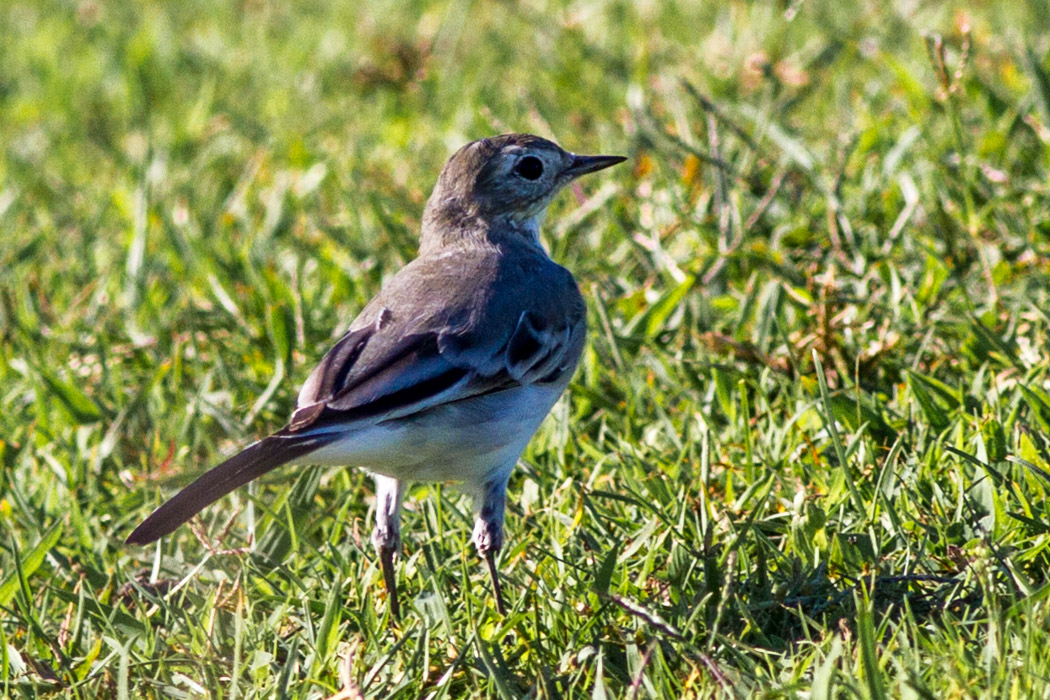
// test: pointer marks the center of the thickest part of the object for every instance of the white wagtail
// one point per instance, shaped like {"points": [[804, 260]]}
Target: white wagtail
{"points": [[447, 373]]}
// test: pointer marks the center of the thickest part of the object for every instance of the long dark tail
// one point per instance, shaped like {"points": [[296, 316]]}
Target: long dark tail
{"points": [[250, 463]]}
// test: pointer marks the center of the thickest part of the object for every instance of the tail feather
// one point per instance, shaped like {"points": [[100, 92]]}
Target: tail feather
{"points": [[250, 463]]}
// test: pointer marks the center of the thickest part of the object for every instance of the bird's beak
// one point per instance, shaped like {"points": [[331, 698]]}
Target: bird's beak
{"points": [[581, 165]]}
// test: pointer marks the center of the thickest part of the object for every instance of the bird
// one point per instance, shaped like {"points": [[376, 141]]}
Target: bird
{"points": [[448, 372]]}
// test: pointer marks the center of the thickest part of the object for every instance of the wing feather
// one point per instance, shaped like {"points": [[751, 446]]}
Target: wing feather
{"points": [[414, 374], [412, 348]]}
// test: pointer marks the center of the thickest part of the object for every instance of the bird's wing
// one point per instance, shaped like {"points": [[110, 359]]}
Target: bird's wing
{"points": [[407, 373], [444, 330]]}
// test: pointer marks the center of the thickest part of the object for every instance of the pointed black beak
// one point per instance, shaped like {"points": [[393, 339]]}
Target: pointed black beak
{"points": [[581, 165]]}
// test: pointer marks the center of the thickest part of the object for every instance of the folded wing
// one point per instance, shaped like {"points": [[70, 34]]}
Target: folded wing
{"points": [[420, 370]]}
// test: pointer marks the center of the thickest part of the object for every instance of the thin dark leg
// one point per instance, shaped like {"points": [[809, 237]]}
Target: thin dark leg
{"points": [[386, 537], [490, 558], [386, 563], [490, 504]]}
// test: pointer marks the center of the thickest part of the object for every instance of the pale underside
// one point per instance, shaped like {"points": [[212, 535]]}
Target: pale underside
{"points": [[465, 441]]}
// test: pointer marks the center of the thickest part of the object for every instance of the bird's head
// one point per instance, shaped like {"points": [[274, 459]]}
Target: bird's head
{"points": [[505, 181]]}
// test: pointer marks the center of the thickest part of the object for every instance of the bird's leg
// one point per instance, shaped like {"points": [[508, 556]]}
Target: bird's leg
{"points": [[386, 537], [489, 506]]}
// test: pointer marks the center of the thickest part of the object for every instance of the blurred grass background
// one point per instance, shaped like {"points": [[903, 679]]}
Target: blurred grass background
{"points": [[806, 455]]}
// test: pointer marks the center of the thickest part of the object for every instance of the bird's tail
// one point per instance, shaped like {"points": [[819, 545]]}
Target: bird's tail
{"points": [[250, 463]]}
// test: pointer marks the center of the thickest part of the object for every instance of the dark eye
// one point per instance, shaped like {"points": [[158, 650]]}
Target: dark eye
{"points": [[529, 167]]}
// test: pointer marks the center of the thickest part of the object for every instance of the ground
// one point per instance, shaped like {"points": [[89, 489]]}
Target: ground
{"points": [[807, 452]]}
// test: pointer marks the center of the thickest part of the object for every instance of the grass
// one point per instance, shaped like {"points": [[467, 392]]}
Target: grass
{"points": [[808, 450]]}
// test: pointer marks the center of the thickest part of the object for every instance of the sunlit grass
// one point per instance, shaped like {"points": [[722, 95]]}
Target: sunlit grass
{"points": [[807, 453]]}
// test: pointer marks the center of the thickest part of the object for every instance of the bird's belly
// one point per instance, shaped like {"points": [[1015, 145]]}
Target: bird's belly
{"points": [[460, 441]]}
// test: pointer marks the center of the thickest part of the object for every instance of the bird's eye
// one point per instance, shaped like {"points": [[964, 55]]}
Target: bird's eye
{"points": [[529, 167]]}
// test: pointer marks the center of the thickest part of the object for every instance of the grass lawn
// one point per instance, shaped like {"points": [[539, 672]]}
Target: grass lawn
{"points": [[807, 453]]}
